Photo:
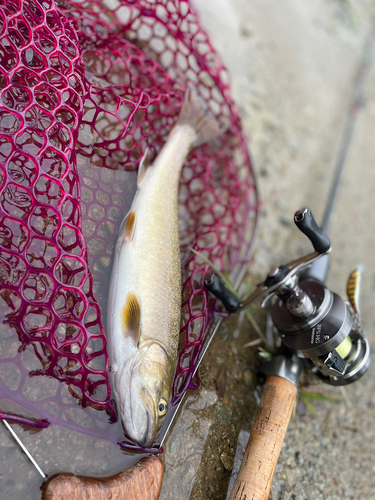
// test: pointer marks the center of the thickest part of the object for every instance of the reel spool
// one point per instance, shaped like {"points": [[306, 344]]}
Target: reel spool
{"points": [[330, 336]]}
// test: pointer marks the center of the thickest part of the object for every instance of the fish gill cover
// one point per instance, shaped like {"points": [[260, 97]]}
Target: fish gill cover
{"points": [[86, 87]]}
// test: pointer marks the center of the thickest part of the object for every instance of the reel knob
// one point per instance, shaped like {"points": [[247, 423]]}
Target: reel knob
{"points": [[305, 222]]}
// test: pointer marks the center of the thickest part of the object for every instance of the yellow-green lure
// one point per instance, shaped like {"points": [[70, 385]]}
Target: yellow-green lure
{"points": [[353, 288]]}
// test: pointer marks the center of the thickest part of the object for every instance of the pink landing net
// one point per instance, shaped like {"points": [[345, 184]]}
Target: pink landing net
{"points": [[86, 87]]}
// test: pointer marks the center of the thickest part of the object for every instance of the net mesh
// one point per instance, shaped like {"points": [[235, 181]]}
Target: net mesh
{"points": [[86, 87]]}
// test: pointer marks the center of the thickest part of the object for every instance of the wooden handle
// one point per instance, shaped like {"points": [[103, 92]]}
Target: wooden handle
{"points": [[263, 449], [140, 482]]}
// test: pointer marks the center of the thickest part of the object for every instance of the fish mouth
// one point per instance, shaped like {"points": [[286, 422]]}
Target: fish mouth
{"points": [[144, 433], [137, 398], [147, 440], [149, 435]]}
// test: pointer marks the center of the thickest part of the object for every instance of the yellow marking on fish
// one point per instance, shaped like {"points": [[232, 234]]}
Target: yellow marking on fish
{"points": [[130, 226], [131, 319]]}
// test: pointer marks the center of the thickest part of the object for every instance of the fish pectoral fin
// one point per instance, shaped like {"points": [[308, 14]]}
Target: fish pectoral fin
{"points": [[127, 227], [143, 166], [131, 319]]}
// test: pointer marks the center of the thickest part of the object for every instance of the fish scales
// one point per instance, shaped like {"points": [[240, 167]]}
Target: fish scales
{"points": [[144, 304], [151, 263]]}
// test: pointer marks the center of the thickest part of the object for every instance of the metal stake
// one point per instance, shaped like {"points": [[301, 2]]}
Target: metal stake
{"points": [[23, 447]]}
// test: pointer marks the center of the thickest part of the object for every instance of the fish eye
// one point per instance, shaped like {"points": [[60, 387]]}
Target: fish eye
{"points": [[162, 407]]}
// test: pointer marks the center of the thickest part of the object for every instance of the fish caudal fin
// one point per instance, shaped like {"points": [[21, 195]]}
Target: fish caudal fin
{"points": [[192, 114]]}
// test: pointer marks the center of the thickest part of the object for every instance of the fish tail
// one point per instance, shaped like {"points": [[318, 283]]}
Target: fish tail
{"points": [[205, 127]]}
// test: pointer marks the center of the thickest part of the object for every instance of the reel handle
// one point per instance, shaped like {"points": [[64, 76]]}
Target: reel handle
{"points": [[305, 222], [279, 276], [267, 435]]}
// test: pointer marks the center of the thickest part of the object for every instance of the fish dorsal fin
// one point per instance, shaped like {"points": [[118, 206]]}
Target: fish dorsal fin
{"points": [[131, 319], [143, 166], [205, 126]]}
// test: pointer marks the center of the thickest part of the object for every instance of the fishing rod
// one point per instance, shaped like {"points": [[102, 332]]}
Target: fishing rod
{"points": [[317, 328], [319, 269]]}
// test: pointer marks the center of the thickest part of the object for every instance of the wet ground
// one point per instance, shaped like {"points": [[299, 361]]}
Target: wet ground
{"points": [[293, 65]]}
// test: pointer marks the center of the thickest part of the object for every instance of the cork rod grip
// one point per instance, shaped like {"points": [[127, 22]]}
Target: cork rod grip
{"points": [[140, 482], [263, 449]]}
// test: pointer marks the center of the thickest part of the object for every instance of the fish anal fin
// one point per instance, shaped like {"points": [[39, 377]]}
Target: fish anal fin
{"points": [[205, 127], [143, 166], [131, 319]]}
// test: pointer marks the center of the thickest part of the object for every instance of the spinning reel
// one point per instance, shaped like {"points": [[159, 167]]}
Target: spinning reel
{"points": [[313, 322]]}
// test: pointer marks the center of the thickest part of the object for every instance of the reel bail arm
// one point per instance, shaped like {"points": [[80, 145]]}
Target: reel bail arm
{"points": [[277, 277], [282, 280]]}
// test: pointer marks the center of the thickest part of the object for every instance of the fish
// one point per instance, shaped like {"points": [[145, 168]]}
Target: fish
{"points": [[144, 303]]}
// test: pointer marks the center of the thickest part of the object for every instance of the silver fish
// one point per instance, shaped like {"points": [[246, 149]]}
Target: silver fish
{"points": [[144, 304]]}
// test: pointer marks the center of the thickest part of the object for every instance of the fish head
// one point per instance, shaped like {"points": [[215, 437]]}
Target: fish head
{"points": [[146, 394]]}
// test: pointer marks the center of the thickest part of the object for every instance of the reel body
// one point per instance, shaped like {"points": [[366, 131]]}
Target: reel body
{"points": [[313, 322], [330, 336]]}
